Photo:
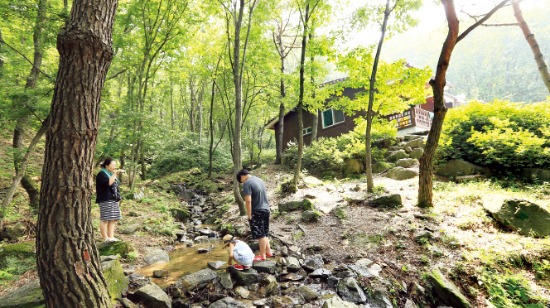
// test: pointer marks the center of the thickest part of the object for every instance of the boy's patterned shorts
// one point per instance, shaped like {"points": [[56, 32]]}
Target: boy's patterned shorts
{"points": [[259, 224]]}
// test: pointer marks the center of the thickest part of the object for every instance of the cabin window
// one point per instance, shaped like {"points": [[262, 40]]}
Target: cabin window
{"points": [[307, 131], [332, 117]]}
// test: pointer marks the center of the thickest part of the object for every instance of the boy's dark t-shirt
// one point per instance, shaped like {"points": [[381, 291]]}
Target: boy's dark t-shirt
{"points": [[255, 188]]}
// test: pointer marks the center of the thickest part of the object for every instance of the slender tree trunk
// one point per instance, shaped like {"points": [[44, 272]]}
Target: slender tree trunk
{"points": [[22, 123], [530, 37], [314, 125], [67, 259], [315, 113], [425, 185], [281, 123], [370, 113], [300, 106], [211, 124], [172, 111]]}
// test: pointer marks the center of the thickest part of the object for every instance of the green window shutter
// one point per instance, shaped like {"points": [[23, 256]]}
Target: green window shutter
{"points": [[327, 118]]}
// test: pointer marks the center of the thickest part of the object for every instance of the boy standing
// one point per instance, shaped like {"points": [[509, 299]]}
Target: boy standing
{"points": [[258, 211]]}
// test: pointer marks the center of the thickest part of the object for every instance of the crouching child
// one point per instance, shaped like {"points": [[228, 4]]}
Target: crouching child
{"points": [[239, 252]]}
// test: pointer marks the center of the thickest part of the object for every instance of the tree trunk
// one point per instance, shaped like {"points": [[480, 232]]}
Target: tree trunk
{"points": [[370, 113], [211, 124], [21, 126], [530, 37], [300, 106], [425, 185], [67, 258], [279, 132]]}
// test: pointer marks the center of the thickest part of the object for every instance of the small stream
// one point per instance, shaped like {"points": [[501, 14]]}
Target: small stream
{"points": [[186, 260]]}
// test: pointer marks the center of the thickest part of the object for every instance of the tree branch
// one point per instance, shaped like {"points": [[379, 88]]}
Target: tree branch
{"points": [[482, 20]]}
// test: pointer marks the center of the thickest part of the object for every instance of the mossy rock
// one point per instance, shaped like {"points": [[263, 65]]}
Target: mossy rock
{"points": [[447, 291], [353, 166], [288, 187], [525, 217], [180, 214], [381, 166], [115, 248], [27, 296], [117, 282], [311, 216], [19, 250], [290, 206]]}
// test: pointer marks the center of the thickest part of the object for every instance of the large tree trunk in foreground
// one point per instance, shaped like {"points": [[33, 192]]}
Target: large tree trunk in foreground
{"points": [[425, 185], [530, 37], [67, 259]]}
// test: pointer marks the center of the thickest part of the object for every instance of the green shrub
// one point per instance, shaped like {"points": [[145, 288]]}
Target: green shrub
{"points": [[187, 154], [500, 135]]}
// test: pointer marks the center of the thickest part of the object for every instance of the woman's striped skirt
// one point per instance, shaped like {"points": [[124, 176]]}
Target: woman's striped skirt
{"points": [[109, 210]]}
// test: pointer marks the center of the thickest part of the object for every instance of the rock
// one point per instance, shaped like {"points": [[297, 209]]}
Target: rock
{"points": [[137, 281], [387, 201], [459, 167], [117, 282], [400, 173], [293, 264], [265, 266], [18, 251], [397, 155], [416, 153], [307, 293], [226, 281], [156, 255], [28, 295], [310, 216], [130, 229], [353, 166], [525, 217], [536, 175], [290, 206], [216, 265], [381, 166], [203, 250], [322, 273], [410, 304], [416, 143], [350, 291], [244, 278], [379, 300], [197, 279], [269, 285], [423, 236], [337, 302], [205, 231], [126, 303], [152, 296], [242, 292], [314, 262], [180, 214], [227, 302], [353, 197], [201, 239], [447, 291], [160, 273], [282, 301], [292, 277], [406, 162], [366, 268]]}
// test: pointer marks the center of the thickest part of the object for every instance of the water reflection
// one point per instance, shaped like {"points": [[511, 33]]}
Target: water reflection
{"points": [[186, 260]]}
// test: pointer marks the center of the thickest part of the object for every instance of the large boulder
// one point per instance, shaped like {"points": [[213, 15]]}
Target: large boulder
{"points": [[381, 166], [349, 290], [406, 162], [386, 201], [310, 216], [400, 173], [416, 143], [337, 302], [397, 155], [459, 167], [416, 153], [152, 296], [447, 291], [117, 282], [353, 166], [290, 206], [29, 295], [197, 279], [366, 268], [523, 216], [156, 255], [120, 248], [244, 278]]}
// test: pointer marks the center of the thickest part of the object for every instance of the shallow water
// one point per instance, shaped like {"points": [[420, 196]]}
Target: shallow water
{"points": [[184, 261]]}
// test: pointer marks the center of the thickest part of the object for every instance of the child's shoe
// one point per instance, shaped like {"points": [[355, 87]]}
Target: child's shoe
{"points": [[258, 259], [240, 267]]}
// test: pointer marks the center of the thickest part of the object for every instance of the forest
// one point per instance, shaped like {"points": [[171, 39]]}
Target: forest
{"points": [[430, 118]]}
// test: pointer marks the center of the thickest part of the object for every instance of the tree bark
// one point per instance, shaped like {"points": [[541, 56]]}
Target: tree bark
{"points": [[530, 37], [300, 107], [67, 259], [425, 185], [370, 112]]}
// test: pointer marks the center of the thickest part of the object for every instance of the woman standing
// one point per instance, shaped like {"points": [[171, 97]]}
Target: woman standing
{"points": [[108, 197]]}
